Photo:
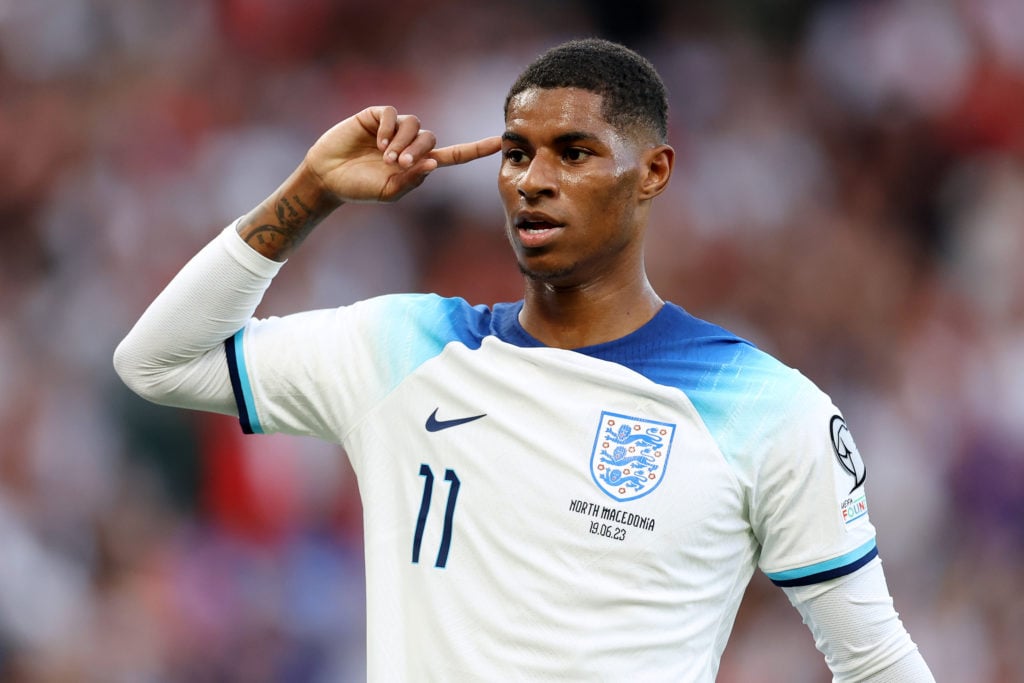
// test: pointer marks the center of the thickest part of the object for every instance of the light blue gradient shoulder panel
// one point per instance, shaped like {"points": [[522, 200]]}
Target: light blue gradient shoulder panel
{"points": [[406, 330], [413, 328], [737, 389]]}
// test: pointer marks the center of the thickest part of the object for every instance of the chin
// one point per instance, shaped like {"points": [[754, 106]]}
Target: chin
{"points": [[554, 276]]}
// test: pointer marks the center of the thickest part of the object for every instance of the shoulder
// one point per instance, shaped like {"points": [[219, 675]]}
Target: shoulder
{"points": [[747, 398], [428, 316], [700, 358]]}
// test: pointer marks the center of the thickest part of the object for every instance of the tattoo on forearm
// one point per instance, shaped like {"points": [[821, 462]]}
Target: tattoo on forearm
{"points": [[295, 220]]}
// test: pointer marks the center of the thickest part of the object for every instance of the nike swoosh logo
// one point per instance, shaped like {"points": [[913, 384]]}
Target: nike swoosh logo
{"points": [[435, 425]]}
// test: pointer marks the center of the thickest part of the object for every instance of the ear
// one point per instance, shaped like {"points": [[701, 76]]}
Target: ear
{"points": [[658, 162]]}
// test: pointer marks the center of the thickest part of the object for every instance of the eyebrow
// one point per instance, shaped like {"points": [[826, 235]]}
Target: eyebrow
{"points": [[563, 139]]}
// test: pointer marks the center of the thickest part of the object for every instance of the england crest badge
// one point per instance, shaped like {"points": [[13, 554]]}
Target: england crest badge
{"points": [[630, 455]]}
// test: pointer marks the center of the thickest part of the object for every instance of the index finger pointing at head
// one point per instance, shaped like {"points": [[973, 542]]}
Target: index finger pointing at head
{"points": [[466, 151]]}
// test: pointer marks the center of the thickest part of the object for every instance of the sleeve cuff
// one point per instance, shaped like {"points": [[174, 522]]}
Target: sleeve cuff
{"points": [[829, 569], [240, 385]]}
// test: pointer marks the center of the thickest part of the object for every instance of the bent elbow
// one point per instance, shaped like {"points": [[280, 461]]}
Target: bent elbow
{"points": [[176, 379], [129, 367], [140, 373]]}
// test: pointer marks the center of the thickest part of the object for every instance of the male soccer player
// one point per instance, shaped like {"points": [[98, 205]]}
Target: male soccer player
{"points": [[575, 486]]}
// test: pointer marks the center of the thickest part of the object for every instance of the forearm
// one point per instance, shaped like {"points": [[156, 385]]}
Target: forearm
{"points": [[174, 353], [284, 219]]}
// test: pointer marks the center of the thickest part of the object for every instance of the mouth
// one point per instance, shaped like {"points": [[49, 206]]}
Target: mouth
{"points": [[535, 230]]}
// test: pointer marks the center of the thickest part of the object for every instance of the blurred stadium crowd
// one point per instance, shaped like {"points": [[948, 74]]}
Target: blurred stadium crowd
{"points": [[849, 195]]}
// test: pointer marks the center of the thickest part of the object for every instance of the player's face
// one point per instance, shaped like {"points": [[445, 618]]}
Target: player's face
{"points": [[569, 181]]}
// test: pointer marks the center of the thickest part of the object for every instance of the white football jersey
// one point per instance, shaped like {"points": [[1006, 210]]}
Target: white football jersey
{"points": [[540, 514]]}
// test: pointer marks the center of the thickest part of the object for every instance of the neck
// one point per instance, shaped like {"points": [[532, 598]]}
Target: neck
{"points": [[571, 317]]}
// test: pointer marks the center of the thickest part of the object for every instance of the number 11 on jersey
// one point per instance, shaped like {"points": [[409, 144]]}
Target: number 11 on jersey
{"points": [[449, 513]]}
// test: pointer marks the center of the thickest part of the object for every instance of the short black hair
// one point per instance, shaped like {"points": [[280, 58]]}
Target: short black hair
{"points": [[633, 93]]}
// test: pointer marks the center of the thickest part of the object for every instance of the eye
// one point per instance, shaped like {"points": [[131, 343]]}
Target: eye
{"points": [[515, 155], [576, 154]]}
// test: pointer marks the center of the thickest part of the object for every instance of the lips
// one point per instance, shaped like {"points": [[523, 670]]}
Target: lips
{"points": [[536, 229]]}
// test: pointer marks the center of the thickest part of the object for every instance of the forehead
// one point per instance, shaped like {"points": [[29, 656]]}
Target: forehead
{"points": [[557, 109]]}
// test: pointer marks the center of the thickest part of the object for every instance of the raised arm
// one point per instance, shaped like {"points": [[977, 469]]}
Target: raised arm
{"points": [[375, 156], [174, 354]]}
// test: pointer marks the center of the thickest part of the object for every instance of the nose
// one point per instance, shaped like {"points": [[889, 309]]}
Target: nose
{"points": [[539, 179]]}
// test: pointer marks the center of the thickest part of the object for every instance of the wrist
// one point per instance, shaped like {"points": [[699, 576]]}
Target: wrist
{"points": [[307, 181], [282, 221]]}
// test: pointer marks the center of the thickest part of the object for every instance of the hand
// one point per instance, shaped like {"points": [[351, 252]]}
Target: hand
{"points": [[379, 155], [375, 156]]}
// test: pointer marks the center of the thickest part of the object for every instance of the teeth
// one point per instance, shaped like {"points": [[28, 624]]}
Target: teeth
{"points": [[534, 228]]}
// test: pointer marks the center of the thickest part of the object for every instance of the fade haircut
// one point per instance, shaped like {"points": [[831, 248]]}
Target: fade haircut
{"points": [[633, 94]]}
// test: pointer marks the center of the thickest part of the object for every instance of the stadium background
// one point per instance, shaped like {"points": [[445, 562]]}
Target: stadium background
{"points": [[849, 195]]}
